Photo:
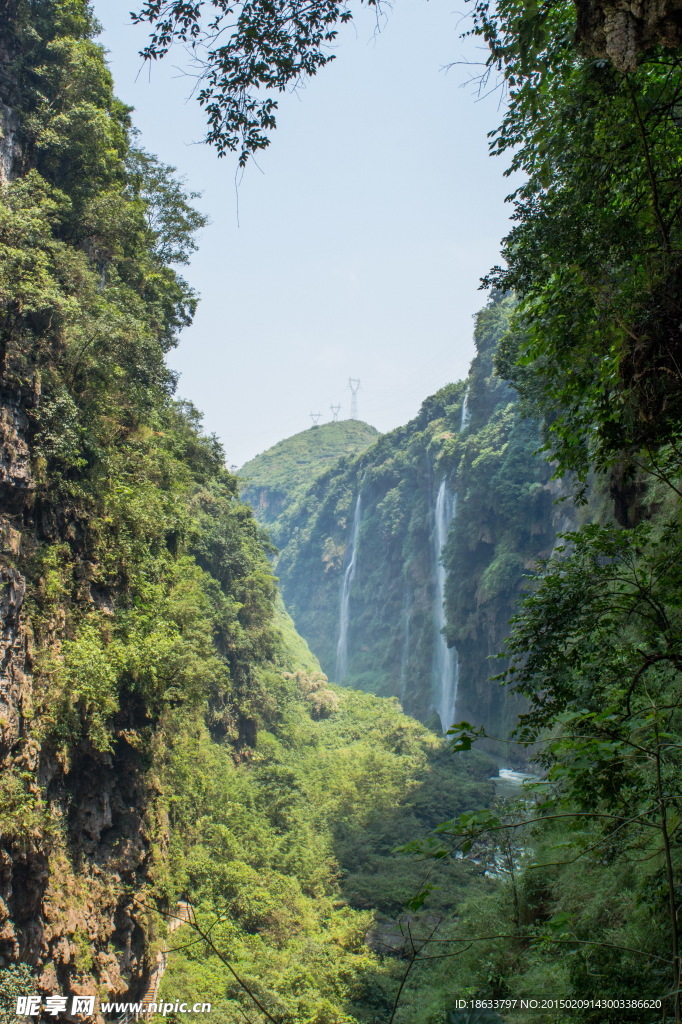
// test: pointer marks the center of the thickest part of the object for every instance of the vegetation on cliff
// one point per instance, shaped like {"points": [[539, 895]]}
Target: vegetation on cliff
{"points": [[289, 857], [506, 520], [139, 582]]}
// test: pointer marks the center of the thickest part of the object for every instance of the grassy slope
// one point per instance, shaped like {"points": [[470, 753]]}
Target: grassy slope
{"points": [[278, 476]]}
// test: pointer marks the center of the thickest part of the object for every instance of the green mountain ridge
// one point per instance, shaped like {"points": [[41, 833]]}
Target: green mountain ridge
{"points": [[275, 479]]}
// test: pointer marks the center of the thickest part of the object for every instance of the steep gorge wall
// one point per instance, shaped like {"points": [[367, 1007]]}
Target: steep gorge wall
{"points": [[134, 582], [16, 476], [64, 868], [64, 907], [509, 512]]}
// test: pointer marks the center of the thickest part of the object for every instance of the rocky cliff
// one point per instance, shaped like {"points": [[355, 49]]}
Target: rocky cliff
{"points": [[620, 31], [110, 497]]}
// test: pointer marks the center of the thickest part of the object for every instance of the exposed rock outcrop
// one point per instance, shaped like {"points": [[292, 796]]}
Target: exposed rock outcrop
{"points": [[83, 841], [618, 30], [10, 150]]}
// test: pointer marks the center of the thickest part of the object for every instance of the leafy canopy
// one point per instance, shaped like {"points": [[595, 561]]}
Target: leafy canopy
{"points": [[241, 49]]}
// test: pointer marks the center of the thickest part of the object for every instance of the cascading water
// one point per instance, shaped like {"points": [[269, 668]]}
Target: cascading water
{"points": [[466, 412], [445, 661], [342, 646]]}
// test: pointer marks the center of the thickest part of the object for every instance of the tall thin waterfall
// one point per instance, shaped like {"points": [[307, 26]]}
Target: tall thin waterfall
{"points": [[342, 646], [466, 412], [445, 660]]}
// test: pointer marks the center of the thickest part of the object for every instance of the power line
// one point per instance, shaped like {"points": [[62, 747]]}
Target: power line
{"points": [[354, 385]]}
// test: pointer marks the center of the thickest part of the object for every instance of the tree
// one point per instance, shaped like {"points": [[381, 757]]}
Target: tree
{"points": [[240, 49], [597, 652], [594, 256], [171, 221]]}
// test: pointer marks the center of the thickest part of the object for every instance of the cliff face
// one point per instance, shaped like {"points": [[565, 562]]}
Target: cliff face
{"points": [[429, 532], [620, 31], [9, 146], [16, 487], [76, 838], [11, 150], [133, 580], [72, 839], [20, 902], [508, 515]]}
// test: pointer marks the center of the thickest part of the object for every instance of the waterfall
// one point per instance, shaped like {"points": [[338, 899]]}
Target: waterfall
{"points": [[342, 646], [445, 661], [509, 783], [466, 413]]}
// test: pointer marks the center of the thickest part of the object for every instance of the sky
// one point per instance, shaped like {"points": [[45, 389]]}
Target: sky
{"points": [[354, 247]]}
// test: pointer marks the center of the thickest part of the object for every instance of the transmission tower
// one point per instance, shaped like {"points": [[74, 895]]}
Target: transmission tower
{"points": [[315, 417], [354, 385], [335, 412]]}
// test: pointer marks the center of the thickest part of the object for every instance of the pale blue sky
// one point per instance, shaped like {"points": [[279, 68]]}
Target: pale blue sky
{"points": [[357, 247]]}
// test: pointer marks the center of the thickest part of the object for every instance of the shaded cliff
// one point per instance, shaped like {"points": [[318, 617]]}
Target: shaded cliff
{"points": [[508, 515], [620, 32]]}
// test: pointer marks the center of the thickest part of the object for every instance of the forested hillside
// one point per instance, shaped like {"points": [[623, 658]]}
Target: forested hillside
{"points": [[279, 477]]}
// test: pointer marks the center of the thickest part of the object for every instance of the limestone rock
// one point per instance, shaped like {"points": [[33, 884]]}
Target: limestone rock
{"points": [[618, 30]]}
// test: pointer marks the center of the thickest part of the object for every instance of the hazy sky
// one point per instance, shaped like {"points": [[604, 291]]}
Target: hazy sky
{"points": [[354, 249]]}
